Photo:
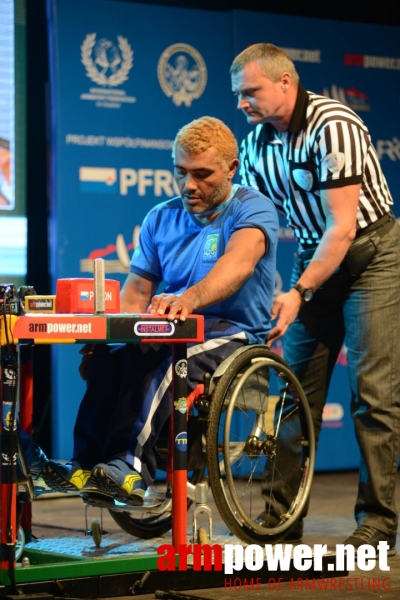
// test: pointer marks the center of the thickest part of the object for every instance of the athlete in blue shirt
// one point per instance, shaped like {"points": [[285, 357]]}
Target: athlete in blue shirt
{"points": [[201, 245], [214, 250]]}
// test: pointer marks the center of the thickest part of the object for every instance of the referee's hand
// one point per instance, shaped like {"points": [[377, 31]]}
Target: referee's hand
{"points": [[284, 309]]}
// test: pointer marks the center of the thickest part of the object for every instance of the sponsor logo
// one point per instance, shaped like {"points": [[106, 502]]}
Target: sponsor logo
{"points": [[352, 97], [9, 417], [108, 65], [389, 148], [181, 368], [182, 74], [98, 180], [88, 296], [8, 460], [10, 374], [365, 61], [304, 55], [60, 327], [43, 304], [9, 422], [181, 441], [120, 249], [80, 139], [154, 328], [105, 180], [181, 405], [333, 411], [232, 558], [157, 181]]}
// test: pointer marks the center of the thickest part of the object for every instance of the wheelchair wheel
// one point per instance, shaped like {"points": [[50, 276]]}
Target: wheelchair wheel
{"points": [[146, 525], [260, 446]]}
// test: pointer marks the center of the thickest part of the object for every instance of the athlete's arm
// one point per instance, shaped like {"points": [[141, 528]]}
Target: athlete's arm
{"points": [[136, 294], [243, 251]]}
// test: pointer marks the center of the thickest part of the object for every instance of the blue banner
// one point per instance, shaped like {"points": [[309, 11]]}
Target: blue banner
{"points": [[124, 78]]}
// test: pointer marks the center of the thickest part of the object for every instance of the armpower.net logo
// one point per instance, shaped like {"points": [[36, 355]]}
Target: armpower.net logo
{"points": [[51, 328], [236, 560]]}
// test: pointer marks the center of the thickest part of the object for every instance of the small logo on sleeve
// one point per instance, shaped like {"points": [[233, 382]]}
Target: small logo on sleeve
{"points": [[210, 248]]}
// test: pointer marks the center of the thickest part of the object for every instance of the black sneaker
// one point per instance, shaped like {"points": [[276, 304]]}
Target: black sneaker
{"points": [[365, 534], [120, 480], [71, 477]]}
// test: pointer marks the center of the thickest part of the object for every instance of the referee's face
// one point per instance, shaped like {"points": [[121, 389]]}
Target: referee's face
{"points": [[261, 99], [203, 182]]}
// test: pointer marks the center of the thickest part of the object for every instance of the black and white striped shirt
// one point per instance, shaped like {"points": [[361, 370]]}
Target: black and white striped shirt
{"points": [[325, 146]]}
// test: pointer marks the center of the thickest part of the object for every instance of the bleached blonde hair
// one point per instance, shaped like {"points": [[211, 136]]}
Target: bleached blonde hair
{"points": [[206, 132]]}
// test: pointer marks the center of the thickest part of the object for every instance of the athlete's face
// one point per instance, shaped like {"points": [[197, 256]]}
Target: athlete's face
{"points": [[203, 183], [261, 99]]}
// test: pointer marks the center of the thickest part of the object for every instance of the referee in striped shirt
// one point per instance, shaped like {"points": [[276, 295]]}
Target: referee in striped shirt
{"points": [[314, 158]]}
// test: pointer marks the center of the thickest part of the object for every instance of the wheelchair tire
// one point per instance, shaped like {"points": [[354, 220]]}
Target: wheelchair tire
{"points": [[257, 402], [145, 525]]}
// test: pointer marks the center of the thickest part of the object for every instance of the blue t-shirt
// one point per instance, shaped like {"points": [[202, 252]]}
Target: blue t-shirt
{"points": [[176, 248]]}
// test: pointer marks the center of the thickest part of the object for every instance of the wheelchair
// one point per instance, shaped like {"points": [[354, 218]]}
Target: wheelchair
{"points": [[250, 440]]}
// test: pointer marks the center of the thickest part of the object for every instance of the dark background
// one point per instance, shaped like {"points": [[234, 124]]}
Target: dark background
{"points": [[38, 151], [383, 13]]}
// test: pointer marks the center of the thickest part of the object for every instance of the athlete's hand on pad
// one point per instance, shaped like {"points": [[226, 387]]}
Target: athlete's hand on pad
{"points": [[173, 307]]}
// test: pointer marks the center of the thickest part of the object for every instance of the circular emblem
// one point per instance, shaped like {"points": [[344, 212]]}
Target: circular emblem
{"points": [[181, 368], [180, 405], [181, 441], [10, 374], [182, 73], [9, 422], [106, 64], [334, 161]]}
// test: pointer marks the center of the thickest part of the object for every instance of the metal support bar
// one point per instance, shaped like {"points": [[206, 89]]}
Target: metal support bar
{"points": [[179, 475]]}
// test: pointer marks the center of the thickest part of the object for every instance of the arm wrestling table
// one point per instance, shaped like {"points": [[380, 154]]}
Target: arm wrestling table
{"points": [[37, 328]]}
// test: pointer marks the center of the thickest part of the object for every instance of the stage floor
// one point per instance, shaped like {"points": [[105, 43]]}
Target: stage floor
{"points": [[58, 525]]}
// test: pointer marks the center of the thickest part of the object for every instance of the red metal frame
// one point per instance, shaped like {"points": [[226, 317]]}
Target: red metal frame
{"points": [[31, 329]]}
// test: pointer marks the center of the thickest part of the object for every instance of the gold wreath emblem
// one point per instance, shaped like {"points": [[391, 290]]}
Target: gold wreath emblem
{"points": [[94, 74]]}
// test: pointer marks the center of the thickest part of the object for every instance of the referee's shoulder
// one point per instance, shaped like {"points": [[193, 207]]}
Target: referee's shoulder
{"points": [[330, 107]]}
